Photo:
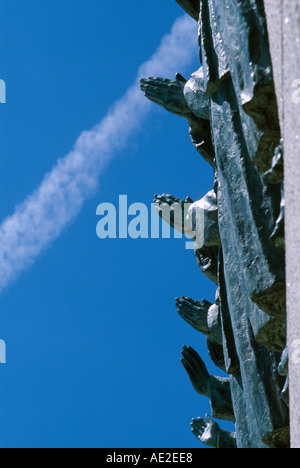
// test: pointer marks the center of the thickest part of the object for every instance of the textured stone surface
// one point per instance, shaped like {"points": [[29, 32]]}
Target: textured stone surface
{"points": [[195, 96], [191, 7], [170, 95], [246, 327]]}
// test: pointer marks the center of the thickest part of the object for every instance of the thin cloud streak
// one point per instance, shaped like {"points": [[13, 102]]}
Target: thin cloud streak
{"points": [[41, 218]]}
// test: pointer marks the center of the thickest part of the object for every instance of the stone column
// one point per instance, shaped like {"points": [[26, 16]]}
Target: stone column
{"points": [[284, 30]]}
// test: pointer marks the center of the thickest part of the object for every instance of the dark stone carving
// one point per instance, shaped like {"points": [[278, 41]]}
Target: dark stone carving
{"points": [[242, 250], [210, 434], [233, 37], [217, 389], [248, 208], [275, 174], [207, 261], [283, 369], [205, 318], [171, 95], [191, 7], [278, 235], [195, 313]]}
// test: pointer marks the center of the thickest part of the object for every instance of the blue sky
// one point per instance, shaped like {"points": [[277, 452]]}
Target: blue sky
{"points": [[93, 337]]}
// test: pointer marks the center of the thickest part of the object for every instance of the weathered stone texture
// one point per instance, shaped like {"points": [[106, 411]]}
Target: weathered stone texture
{"points": [[252, 128], [283, 18]]}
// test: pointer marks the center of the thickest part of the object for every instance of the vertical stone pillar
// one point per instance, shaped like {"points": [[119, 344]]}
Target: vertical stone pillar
{"points": [[283, 18], [275, 20], [291, 134]]}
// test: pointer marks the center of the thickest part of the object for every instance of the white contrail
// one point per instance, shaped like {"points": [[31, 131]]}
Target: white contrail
{"points": [[43, 215]]}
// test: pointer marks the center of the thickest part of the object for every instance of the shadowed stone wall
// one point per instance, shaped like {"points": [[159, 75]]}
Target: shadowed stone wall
{"points": [[284, 31]]}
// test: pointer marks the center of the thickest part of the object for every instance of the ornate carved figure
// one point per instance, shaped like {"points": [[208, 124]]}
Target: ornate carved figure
{"points": [[210, 434], [172, 96], [238, 228], [191, 7], [283, 369]]}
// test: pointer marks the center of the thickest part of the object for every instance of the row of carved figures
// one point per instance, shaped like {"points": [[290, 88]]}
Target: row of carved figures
{"points": [[231, 109]]}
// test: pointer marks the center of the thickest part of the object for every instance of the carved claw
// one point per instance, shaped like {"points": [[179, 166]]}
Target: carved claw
{"points": [[173, 210], [210, 433], [196, 370], [167, 94], [207, 431]]}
